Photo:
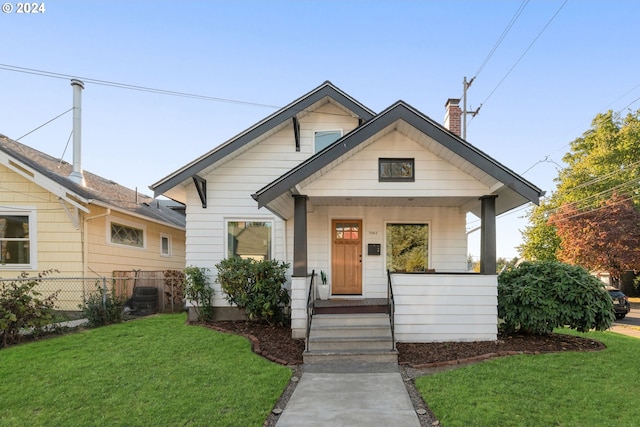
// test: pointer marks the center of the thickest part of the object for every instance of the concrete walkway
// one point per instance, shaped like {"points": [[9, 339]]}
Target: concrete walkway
{"points": [[350, 394]]}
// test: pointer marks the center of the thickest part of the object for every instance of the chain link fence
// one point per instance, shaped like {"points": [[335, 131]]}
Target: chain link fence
{"points": [[72, 292]]}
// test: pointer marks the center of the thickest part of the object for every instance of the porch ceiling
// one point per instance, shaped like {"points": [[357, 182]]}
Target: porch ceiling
{"points": [[400, 202]]}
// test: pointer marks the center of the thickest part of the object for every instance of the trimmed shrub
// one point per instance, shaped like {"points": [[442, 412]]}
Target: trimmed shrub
{"points": [[22, 309], [537, 297], [255, 286], [199, 291]]}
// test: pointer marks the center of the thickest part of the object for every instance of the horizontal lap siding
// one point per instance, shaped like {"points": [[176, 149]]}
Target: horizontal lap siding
{"points": [[434, 308], [230, 186], [105, 257], [434, 177], [59, 244]]}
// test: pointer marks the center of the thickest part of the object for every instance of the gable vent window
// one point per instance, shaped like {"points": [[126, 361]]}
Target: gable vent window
{"points": [[396, 170], [324, 138]]}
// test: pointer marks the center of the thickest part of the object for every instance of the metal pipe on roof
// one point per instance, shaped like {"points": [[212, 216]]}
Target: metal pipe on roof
{"points": [[76, 175]]}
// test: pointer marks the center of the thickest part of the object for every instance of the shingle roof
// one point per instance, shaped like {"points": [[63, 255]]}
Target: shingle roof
{"points": [[98, 189]]}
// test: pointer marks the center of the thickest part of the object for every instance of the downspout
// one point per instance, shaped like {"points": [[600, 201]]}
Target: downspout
{"points": [[85, 244]]}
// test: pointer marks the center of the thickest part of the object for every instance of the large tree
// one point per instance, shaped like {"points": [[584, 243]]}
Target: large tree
{"points": [[603, 161], [605, 238], [541, 241]]}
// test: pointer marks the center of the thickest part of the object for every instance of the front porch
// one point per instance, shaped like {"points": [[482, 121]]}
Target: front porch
{"points": [[432, 307]]}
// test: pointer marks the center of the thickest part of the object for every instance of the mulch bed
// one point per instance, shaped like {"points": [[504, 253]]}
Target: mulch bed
{"points": [[275, 343]]}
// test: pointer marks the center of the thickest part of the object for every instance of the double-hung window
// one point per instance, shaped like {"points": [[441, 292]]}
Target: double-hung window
{"points": [[17, 249]]}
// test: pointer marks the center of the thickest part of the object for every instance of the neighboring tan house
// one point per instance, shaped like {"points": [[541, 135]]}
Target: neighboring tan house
{"points": [[325, 184], [87, 229]]}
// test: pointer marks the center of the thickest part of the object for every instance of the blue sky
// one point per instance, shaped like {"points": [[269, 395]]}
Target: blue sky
{"points": [[537, 96]]}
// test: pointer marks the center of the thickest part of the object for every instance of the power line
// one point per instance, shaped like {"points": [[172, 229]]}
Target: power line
{"points": [[524, 53], [52, 74], [44, 124], [515, 17]]}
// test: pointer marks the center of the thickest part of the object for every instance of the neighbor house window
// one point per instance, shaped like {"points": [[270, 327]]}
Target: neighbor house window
{"points": [[407, 247], [17, 250], [396, 170], [165, 245], [126, 234], [324, 138], [249, 239]]}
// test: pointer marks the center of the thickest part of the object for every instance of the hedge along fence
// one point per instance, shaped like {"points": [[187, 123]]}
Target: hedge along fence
{"points": [[72, 292]]}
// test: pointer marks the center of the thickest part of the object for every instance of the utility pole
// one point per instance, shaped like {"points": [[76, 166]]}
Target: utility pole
{"points": [[466, 85]]}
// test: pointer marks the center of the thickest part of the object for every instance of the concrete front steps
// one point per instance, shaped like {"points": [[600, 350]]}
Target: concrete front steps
{"points": [[350, 337]]}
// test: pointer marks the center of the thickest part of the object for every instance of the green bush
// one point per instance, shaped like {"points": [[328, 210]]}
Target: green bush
{"points": [[21, 308], [537, 297], [103, 308], [198, 290], [255, 286]]}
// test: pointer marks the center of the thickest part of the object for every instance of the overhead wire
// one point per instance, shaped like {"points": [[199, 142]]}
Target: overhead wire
{"points": [[127, 86], [514, 18], [44, 124], [523, 54], [52, 74]]}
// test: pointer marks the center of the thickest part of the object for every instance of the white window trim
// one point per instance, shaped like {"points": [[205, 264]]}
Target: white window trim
{"points": [[248, 219], [31, 212], [404, 221], [126, 223], [315, 131], [169, 245]]}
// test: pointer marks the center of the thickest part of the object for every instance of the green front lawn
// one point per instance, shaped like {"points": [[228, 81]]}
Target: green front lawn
{"points": [[156, 371], [562, 389]]}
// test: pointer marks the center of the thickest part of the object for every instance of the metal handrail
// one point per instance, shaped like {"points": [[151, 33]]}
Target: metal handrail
{"points": [[391, 308], [310, 300]]}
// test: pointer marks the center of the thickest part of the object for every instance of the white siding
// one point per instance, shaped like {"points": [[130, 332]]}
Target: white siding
{"points": [[445, 307], [358, 176], [229, 189]]}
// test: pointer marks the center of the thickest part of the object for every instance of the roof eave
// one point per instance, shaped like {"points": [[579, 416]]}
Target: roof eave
{"points": [[280, 116], [399, 111]]}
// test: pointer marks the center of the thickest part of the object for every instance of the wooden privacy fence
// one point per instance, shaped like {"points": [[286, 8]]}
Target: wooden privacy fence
{"points": [[169, 283]]}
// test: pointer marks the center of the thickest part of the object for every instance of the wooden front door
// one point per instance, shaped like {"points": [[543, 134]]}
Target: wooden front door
{"points": [[346, 257]]}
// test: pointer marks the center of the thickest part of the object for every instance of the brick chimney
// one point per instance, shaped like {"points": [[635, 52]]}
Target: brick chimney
{"points": [[453, 115]]}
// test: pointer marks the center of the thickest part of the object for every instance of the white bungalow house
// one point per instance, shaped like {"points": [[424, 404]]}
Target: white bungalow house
{"points": [[377, 201]]}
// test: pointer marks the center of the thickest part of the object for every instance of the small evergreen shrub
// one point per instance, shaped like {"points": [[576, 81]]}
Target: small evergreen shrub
{"points": [[255, 286], [537, 297], [198, 290], [102, 308], [22, 309]]}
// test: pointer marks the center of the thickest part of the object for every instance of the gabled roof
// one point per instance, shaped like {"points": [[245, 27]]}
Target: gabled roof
{"points": [[326, 89], [52, 174], [454, 147]]}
